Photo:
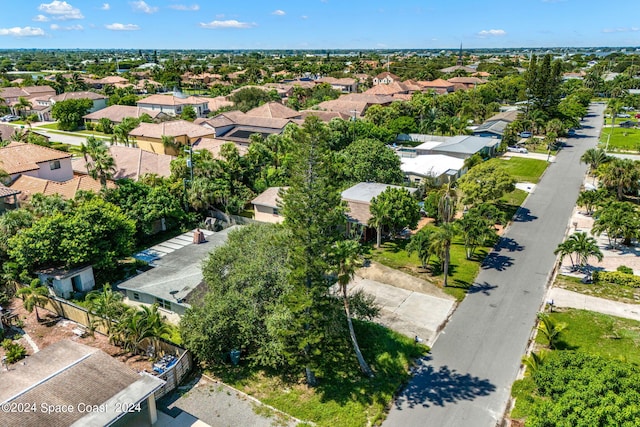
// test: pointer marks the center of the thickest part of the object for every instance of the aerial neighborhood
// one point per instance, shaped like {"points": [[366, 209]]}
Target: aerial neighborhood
{"points": [[396, 237]]}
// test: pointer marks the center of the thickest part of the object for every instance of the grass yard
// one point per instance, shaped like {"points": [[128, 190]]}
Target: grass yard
{"points": [[510, 202], [53, 126], [601, 290], [522, 169], [595, 333], [462, 272], [621, 139], [343, 397]]}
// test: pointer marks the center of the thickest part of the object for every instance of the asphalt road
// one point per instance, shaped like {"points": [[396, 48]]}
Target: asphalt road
{"points": [[466, 379]]}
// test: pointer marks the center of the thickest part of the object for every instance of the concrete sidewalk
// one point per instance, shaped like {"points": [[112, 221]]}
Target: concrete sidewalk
{"points": [[565, 298]]}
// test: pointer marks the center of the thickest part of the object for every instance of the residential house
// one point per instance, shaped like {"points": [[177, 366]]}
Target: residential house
{"points": [[460, 146], [43, 105], [131, 163], [355, 104], [173, 105], [385, 78], [358, 200], [30, 185], [115, 81], [148, 136], [116, 113], [388, 89], [66, 283], [12, 95], [274, 110], [456, 68], [87, 386], [219, 102], [344, 85], [19, 158], [439, 167], [325, 116], [214, 146], [495, 125], [176, 274], [466, 83], [7, 132], [267, 206], [439, 86], [237, 127]]}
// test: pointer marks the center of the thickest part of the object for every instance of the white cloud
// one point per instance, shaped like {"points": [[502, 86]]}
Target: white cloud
{"points": [[60, 10], [492, 33], [230, 23], [56, 27], [279, 12], [141, 6], [41, 18], [22, 31], [621, 30], [192, 8], [122, 27], [105, 6], [304, 17]]}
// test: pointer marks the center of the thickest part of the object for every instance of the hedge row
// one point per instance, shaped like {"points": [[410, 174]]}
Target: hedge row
{"points": [[616, 278]]}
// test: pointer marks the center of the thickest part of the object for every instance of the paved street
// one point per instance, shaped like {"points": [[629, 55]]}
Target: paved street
{"points": [[466, 379]]}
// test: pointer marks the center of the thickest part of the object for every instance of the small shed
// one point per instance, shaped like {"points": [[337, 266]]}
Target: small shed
{"points": [[65, 283]]}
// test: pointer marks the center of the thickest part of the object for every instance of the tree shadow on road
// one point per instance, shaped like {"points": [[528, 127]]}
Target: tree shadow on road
{"points": [[509, 244], [482, 288], [497, 262], [441, 386], [524, 215]]}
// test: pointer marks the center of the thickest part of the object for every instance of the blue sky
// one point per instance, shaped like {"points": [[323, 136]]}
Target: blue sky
{"points": [[316, 24]]}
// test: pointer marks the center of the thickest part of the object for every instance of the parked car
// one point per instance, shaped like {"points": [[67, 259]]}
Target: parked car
{"points": [[623, 116], [514, 149], [638, 116], [10, 118], [526, 134]]}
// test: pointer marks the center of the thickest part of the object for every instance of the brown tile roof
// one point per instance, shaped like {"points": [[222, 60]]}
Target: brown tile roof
{"points": [[132, 163], [358, 102], [457, 68], [219, 102], [230, 118], [273, 110], [18, 157], [507, 116], [116, 113], [213, 146], [345, 81], [78, 95], [269, 197], [387, 74], [467, 80], [481, 74], [388, 89], [6, 191], [29, 185], [437, 83], [112, 80], [171, 100], [325, 116], [27, 91], [173, 128], [402, 96]]}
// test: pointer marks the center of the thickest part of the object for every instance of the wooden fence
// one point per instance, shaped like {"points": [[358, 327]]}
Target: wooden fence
{"points": [[173, 375]]}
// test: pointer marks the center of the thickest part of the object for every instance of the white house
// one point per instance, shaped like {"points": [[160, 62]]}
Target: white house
{"points": [[65, 283], [438, 166], [19, 158], [173, 105]]}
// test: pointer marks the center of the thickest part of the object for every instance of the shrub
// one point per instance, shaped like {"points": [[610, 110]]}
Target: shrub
{"points": [[89, 126], [13, 351], [616, 278], [625, 269]]}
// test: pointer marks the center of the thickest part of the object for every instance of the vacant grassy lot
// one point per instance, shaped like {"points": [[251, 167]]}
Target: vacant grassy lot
{"points": [[343, 397], [621, 139], [522, 169], [462, 271], [601, 290]]}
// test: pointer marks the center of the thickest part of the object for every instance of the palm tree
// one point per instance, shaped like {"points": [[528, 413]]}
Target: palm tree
{"points": [[565, 248], [476, 230], [22, 105], [19, 135], [550, 330], [594, 157], [106, 304], [441, 245], [379, 212], [170, 143], [584, 246], [534, 362], [346, 256], [622, 175], [34, 296], [589, 199], [617, 219], [420, 243], [102, 165]]}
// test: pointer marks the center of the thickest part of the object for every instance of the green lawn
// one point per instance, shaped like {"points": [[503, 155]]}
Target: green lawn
{"points": [[343, 397], [601, 290], [621, 139], [53, 126], [596, 333], [462, 272], [587, 332], [522, 169]]}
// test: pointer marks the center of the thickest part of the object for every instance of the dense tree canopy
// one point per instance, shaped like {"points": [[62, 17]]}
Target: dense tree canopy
{"points": [[369, 160], [485, 183], [69, 113]]}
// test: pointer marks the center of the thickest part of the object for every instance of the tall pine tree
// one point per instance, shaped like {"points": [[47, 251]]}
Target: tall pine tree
{"points": [[315, 218]]}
